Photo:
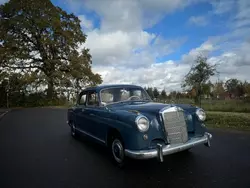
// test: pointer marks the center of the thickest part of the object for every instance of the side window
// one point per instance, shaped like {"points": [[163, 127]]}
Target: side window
{"points": [[92, 99], [82, 99]]}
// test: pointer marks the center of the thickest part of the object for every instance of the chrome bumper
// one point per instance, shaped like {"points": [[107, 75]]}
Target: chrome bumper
{"points": [[160, 151]]}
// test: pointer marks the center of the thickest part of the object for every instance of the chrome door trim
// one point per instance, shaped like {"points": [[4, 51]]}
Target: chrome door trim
{"points": [[90, 135]]}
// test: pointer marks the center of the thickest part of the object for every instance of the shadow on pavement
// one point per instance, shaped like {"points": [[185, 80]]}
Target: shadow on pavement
{"points": [[177, 161]]}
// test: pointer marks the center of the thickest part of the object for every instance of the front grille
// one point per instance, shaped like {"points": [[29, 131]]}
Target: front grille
{"points": [[175, 126]]}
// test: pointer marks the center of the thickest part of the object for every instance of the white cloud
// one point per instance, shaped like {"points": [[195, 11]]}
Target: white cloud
{"points": [[123, 52], [118, 47], [129, 49], [240, 7], [205, 49], [3, 1], [130, 14], [229, 66], [122, 15], [222, 6], [85, 23], [243, 16], [164, 75], [198, 20]]}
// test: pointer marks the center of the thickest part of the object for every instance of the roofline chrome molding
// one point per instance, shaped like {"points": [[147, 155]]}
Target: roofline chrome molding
{"points": [[161, 150]]}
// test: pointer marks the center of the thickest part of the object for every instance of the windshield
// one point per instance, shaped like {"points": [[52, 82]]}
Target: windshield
{"points": [[114, 95]]}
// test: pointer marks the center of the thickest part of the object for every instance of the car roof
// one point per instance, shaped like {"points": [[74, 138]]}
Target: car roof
{"points": [[100, 87]]}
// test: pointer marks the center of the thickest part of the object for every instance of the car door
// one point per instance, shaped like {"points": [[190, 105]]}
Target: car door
{"points": [[95, 114], [99, 123], [82, 121]]}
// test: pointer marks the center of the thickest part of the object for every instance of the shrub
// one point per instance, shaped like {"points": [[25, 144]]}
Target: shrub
{"points": [[247, 100]]}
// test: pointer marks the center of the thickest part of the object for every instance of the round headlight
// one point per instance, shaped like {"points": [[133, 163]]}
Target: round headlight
{"points": [[142, 123], [201, 114]]}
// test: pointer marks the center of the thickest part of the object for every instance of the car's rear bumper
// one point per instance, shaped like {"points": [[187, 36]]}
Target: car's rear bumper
{"points": [[160, 151]]}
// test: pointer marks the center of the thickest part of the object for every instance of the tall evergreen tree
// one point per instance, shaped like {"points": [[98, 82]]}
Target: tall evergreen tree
{"points": [[163, 94], [156, 93]]}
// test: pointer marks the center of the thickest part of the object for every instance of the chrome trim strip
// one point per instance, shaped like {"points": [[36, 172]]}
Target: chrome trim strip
{"points": [[169, 108], [168, 149], [90, 135]]}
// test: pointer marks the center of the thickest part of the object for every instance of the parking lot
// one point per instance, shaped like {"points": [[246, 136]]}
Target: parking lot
{"points": [[37, 150]]}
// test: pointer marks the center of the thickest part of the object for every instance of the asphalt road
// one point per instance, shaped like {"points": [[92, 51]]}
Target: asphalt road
{"points": [[3, 111], [36, 150]]}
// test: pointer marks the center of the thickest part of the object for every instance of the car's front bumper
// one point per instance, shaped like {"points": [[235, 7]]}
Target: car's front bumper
{"points": [[160, 151]]}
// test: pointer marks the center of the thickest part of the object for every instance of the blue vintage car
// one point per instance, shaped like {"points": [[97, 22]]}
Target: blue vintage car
{"points": [[130, 124]]}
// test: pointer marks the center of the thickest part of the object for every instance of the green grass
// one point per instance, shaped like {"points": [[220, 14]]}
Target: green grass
{"points": [[227, 106], [231, 120]]}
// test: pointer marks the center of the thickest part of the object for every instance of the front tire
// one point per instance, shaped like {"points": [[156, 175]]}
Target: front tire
{"points": [[117, 151]]}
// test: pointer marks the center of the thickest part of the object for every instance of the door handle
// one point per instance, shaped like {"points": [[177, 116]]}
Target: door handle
{"points": [[91, 114]]}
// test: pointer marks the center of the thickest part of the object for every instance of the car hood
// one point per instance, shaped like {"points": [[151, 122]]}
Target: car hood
{"points": [[149, 107]]}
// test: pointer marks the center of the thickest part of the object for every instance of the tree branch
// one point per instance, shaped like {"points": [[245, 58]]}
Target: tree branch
{"points": [[23, 67]]}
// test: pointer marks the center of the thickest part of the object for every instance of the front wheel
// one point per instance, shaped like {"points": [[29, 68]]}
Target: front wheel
{"points": [[117, 151]]}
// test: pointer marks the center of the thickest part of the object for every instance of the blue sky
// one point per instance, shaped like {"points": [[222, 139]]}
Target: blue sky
{"points": [[160, 39], [173, 25], [154, 43]]}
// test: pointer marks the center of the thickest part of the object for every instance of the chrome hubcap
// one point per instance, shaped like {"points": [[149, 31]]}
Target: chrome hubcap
{"points": [[117, 150]]}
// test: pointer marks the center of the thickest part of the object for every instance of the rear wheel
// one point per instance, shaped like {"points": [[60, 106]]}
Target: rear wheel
{"points": [[73, 130]]}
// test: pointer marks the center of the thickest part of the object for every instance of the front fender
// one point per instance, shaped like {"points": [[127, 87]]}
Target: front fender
{"points": [[134, 139]]}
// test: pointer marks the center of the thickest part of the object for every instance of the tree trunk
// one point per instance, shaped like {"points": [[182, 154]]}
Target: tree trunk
{"points": [[50, 90], [197, 98], [68, 95]]}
